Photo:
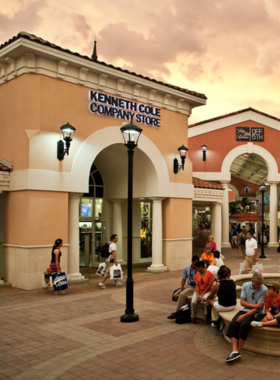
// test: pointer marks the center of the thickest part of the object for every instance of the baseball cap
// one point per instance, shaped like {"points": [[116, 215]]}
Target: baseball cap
{"points": [[273, 284]]}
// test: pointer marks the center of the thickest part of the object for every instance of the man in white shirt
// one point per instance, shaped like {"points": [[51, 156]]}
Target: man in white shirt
{"points": [[110, 261], [251, 250]]}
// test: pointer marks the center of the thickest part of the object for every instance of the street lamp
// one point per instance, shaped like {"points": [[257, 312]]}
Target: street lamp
{"points": [[131, 134], [262, 188]]}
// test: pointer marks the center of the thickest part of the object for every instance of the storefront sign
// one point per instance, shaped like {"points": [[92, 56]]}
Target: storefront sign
{"points": [[249, 134], [107, 105]]}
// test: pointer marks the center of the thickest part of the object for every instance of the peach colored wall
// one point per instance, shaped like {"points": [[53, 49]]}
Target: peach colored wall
{"points": [[221, 142], [231, 196], [36, 102], [36, 217], [241, 184], [177, 218]]}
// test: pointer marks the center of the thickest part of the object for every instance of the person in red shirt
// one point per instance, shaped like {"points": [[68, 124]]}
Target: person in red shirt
{"points": [[272, 307], [204, 281]]}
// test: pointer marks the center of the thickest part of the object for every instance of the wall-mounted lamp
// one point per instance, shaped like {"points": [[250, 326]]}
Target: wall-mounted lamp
{"points": [[183, 151], [204, 148], [247, 188], [67, 135]]}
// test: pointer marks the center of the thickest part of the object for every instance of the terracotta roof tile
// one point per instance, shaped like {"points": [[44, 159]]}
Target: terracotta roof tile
{"points": [[232, 114], [199, 183], [40, 40]]}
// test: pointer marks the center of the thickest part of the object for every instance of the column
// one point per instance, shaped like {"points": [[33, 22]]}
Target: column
{"points": [[157, 265], [118, 228], [217, 225], [73, 230], [273, 209], [225, 217]]}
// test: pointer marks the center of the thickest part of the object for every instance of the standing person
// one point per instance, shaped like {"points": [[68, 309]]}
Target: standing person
{"points": [[233, 236], [110, 261], [212, 243], [184, 292], [241, 243], [252, 299], [55, 262], [251, 252], [204, 281]]}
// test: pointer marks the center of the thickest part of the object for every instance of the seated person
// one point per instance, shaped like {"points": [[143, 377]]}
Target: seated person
{"points": [[217, 259], [204, 281], [212, 268], [272, 307], [252, 299], [207, 255], [184, 292], [223, 295]]}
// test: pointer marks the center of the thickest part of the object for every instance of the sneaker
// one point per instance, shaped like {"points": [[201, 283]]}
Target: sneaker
{"points": [[118, 283], [256, 324], [172, 316], [44, 285], [233, 356], [213, 324], [101, 285]]}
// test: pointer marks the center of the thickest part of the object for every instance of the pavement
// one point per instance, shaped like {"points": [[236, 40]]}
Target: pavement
{"points": [[79, 335]]}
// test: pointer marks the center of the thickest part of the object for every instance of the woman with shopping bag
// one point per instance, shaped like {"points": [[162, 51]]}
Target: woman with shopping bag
{"points": [[110, 261]]}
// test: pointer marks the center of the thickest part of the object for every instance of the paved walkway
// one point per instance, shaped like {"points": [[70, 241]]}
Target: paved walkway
{"points": [[80, 336]]}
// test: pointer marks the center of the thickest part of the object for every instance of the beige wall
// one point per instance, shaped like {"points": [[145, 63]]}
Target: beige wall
{"points": [[36, 217], [35, 106], [177, 218]]}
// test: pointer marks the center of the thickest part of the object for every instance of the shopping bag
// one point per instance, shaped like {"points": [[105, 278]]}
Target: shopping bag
{"points": [[257, 268], [59, 281], [116, 272], [101, 269]]}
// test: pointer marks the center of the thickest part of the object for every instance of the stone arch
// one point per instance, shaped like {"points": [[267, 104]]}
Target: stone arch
{"points": [[250, 148]]}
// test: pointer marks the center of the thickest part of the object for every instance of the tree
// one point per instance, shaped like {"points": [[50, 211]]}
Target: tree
{"points": [[236, 207]]}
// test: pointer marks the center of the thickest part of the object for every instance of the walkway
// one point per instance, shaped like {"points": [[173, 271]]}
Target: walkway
{"points": [[79, 335]]}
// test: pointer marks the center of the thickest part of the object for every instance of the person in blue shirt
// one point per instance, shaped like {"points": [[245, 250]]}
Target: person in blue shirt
{"points": [[252, 300]]}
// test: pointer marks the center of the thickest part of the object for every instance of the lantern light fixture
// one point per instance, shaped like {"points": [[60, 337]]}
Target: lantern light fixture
{"points": [[67, 135], [204, 148], [183, 152]]}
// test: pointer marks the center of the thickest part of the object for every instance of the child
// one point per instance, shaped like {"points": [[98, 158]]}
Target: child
{"points": [[207, 255], [272, 307]]}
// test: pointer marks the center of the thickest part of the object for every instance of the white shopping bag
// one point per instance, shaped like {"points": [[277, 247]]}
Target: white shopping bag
{"points": [[257, 268], [101, 269], [116, 272]]}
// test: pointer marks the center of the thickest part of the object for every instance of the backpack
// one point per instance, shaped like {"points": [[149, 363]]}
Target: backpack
{"points": [[105, 251], [183, 315]]}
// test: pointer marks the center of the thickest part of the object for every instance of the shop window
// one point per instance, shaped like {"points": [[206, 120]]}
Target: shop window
{"points": [[146, 229]]}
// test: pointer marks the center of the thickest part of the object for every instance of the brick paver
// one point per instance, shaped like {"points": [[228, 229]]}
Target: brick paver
{"points": [[80, 336]]}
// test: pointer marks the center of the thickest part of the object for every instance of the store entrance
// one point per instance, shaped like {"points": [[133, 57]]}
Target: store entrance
{"points": [[91, 221]]}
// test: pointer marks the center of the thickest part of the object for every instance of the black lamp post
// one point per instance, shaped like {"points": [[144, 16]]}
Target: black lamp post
{"points": [[131, 134], [262, 189]]}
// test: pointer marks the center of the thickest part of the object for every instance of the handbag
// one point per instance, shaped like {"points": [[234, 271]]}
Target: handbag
{"points": [[257, 268], [101, 269], [116, 272], [59, 281]]}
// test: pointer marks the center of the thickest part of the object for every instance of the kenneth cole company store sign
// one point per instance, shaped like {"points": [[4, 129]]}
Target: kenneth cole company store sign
{"points": [[106, 105]]}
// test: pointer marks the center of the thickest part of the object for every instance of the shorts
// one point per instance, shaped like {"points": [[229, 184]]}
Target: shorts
{"points": [[109, 265], [249, 262], [53, 267]]}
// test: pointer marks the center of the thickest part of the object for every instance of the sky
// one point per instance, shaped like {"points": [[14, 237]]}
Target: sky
{"points": [[228, 50]]}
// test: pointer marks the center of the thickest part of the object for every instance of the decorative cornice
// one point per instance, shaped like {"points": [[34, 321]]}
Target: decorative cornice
{"points": [[208, 193], [24, 57]]}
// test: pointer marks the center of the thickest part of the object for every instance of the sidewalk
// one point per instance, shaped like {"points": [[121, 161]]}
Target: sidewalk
{"points": [[79, 335]]}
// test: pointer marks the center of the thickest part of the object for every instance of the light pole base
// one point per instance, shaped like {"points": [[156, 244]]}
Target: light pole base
{"points": [[262, 257], [127, 318]]}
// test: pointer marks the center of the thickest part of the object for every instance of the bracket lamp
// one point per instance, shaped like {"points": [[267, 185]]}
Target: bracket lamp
{"points": [[247, 188], [204, 148], [183, 151], [67, 135]]}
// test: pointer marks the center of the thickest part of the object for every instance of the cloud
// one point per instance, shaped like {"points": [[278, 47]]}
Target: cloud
{"points": [[27, 19]]}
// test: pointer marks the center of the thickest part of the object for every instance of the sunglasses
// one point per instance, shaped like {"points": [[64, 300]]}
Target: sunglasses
{"points": [[253, 295]]}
